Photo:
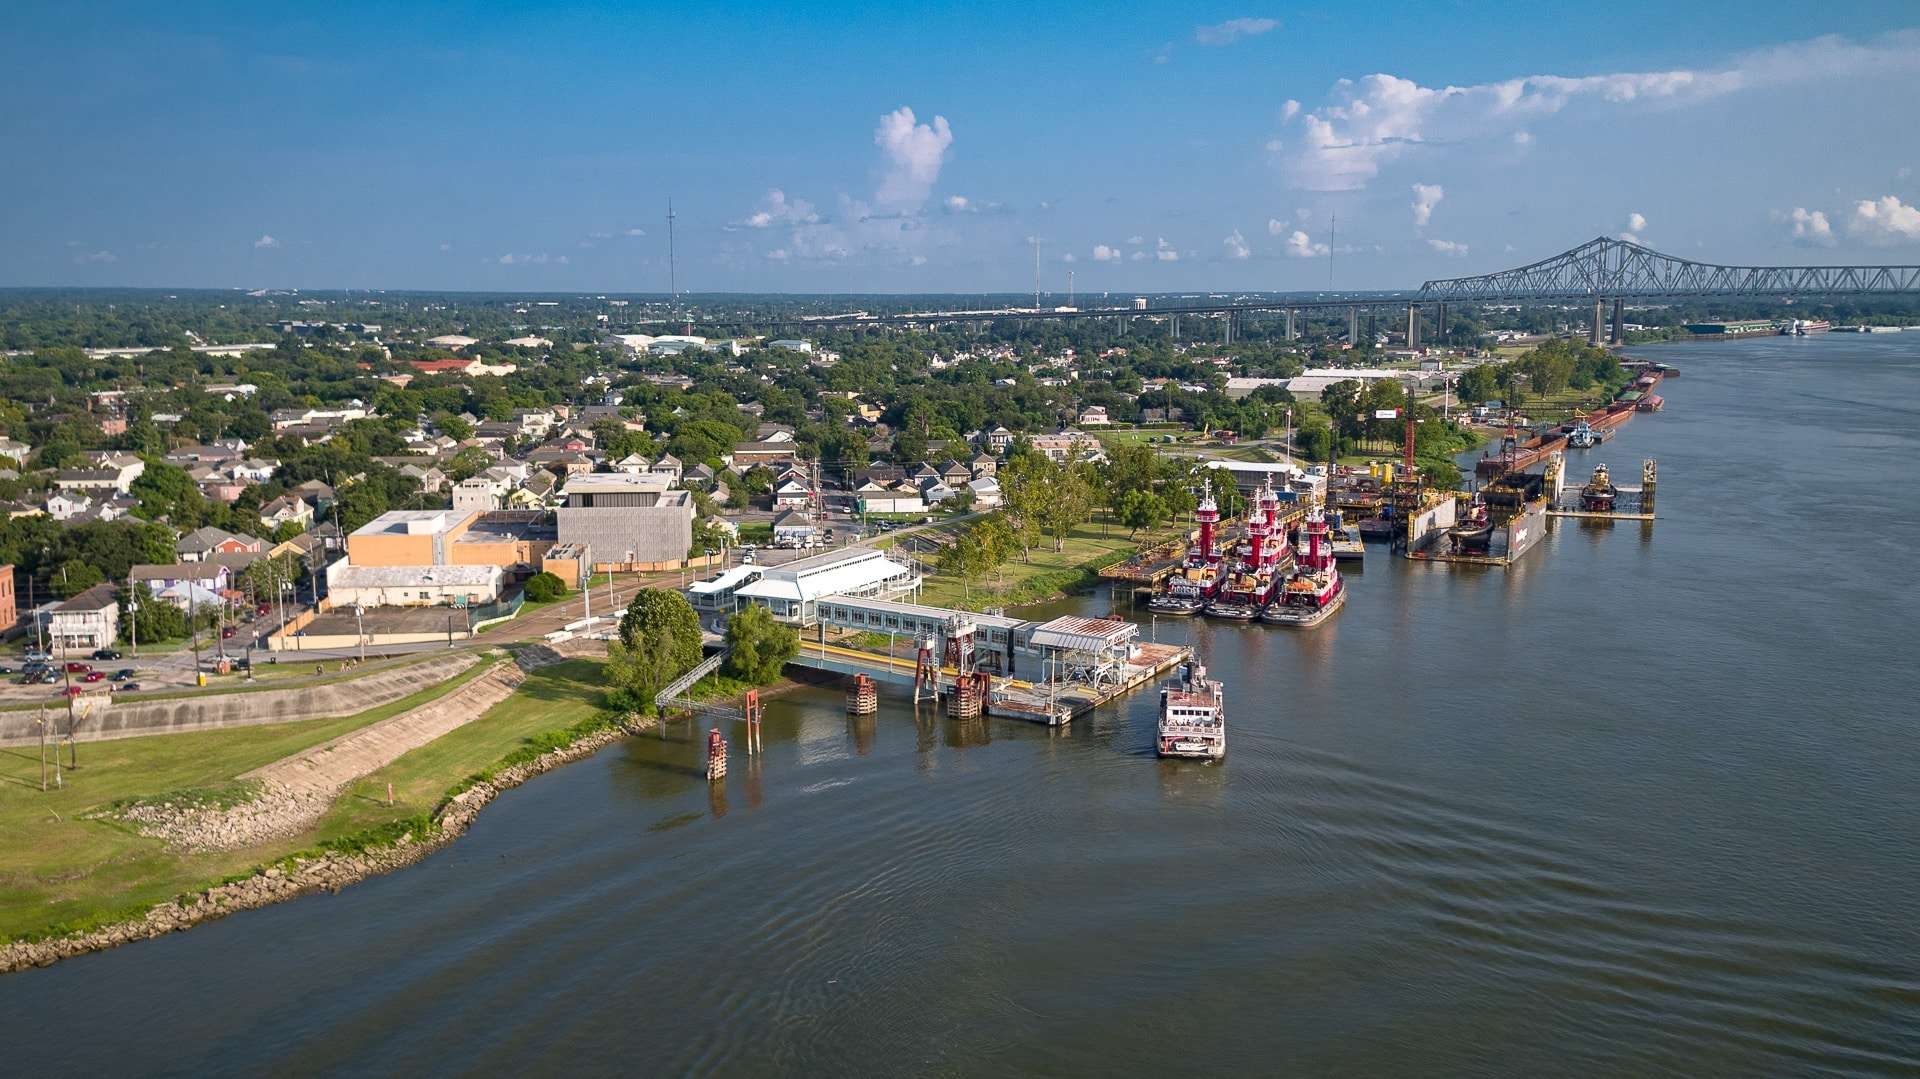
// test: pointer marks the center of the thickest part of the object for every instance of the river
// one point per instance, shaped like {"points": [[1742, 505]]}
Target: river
{"points": [[1645, 803]]}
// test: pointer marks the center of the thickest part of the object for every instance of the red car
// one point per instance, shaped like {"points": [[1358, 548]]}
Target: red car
{"points": [[227, 633], [93, 676], [78, 668], [261, 609], [72, 691]]}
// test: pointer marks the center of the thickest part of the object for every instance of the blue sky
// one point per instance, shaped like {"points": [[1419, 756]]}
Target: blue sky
{"points": [[888, 147]]}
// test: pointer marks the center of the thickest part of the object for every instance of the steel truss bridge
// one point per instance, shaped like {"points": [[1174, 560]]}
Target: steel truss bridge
{"points": [[1601, 271]]}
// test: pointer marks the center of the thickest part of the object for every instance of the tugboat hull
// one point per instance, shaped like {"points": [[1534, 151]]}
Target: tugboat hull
{"points": [[1303, 617]]}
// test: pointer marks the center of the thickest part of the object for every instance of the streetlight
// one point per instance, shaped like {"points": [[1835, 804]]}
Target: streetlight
{"points": [[360, 630]]}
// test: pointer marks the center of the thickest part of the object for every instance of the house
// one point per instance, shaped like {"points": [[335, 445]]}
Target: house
{"points": [[62, 506], [252, 469], [986, 493], [725, 527], [936, 493], [1068, 446], [286, 510], [748, 454], [774, 432], [534, 422], [16, 452], [794, 529], [954, 474], [108, 478], [904, 498], [791, 494], [431, 479], [478, 493], [998, 440], [184, 583], [1094, 416], [668, 465], [883, 476], [9, 605], [452, 341], [85, 622], [201, 543], [701, 475], [924, 475], [317, 493]]}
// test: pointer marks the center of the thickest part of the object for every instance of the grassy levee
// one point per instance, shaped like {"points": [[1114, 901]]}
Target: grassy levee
{"points": [[65, 869], [1049, 573]]}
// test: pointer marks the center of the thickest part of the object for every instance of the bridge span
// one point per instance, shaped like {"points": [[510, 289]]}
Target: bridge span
{"points": [[1603, 271]]}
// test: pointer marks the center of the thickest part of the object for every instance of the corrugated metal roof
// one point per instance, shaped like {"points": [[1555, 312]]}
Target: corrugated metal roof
{"points": [[1077, 634]]}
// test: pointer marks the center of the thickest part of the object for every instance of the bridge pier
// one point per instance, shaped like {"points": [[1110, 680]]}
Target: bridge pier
{"points": [[1599, 319], [1619, 323], [1413, 325], [1353, 326], [1292, 330]]}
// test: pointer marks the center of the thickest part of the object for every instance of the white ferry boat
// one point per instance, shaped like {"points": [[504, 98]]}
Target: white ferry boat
{"points": [[1193, 716]]}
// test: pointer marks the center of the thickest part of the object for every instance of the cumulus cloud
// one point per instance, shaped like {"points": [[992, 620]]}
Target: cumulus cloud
{"points": [[777, 209], [914, 153], [1884, 221], [540, 259], [1236, 246], [265, 242], [1136, 241], [1103, 253], [1226, 33], [1165, 252], [100, 256], [1139, 256], [1301, 246], [1636, 223], [1810, 227], [1448, 248], [1425, 198], [779, 254], [634, 232], [1289, 109], [1367, 123], [958, 204], [1068, 257]]}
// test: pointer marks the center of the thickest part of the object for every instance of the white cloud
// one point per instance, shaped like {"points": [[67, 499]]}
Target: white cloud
{"points": [[1236, 246], [446, 247], [540, 259], [1138, 256], [1275, 226], [958, 204], [917, 260], [1523, 137], [1289, 109], [777, 209], [1068, 257], [100, 256], [635, 232], [1370, 122], [1630, 237], [779, 254], [1448, 247], [1636, 223], [1226, 33], [1103, 253], [1810, 227], [1425, 198], [914, 153], [1301, 246], [1136, 241], [1885, 221], [265, 241], [1274, 146], [1164, 251]]}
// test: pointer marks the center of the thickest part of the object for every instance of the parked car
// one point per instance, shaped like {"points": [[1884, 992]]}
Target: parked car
{"points": [[261, 609], [105, 653], [78, 668], [123, 674], [72, 691], [38, 654], [49, 678], [126, 687], [93, 676], [5, 669], [226, 633]]}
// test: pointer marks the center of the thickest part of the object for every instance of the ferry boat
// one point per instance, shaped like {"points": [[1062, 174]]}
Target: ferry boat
{"points": [[1599, 493], [1316, 590], [1800, 327], [1193, 716], [1263, 560], [1474, 532], [1198, 578]]}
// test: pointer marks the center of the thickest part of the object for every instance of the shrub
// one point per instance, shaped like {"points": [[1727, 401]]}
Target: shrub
{"points": [[545, 588]]}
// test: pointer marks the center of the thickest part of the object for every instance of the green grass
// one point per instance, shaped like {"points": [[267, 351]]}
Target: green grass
{"points": [[1049, 573], [60, 869], [551, 700]]}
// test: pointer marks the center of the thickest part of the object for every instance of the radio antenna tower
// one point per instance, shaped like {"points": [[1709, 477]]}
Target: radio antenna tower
{"points": [[1036, 273], [673, 281], [1333, 230]]}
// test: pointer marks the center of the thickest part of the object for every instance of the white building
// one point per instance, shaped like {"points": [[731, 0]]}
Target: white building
{"points": [[790, 592], [85, 622], [349, 585]]}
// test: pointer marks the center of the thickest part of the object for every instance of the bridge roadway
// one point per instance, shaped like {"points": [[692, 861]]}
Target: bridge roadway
{"points": [[1601, 270]]}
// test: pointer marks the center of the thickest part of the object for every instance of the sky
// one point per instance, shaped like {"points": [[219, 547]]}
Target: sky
{"points": [[845, 147]]}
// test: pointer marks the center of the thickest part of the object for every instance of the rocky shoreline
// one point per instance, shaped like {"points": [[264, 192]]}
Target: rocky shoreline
{"points": [[325, 872]]}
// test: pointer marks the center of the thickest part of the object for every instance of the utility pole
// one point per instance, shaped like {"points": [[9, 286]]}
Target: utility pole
{"points": [[133, 615]]}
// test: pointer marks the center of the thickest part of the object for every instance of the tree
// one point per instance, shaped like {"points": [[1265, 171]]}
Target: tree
{"points": [[154, 620], [659, 642], [544, 588], [962, 558], [1140, 509], [1477, 384], [758, 646], [77, 576]]}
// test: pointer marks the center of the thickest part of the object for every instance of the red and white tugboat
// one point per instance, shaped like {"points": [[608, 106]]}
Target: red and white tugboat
{"points": [[1316, 589], [1198, 578], [1263, 560], [1193, 716]]}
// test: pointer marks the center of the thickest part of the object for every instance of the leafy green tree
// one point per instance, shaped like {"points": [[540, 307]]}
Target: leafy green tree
{"points": [[155, 620], [759, 646], [544, 588], [659, 641], [76, 576], [1140, 508]]}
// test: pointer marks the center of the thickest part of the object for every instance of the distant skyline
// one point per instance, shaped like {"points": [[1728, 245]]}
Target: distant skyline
{"points": [[850, 147]]}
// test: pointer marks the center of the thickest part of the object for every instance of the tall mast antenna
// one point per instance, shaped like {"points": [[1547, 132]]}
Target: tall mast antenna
{"points": [[1333, 230], [673, 280]]}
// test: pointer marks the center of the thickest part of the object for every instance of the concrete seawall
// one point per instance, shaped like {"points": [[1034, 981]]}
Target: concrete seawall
{"points": [[241, 709]]}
